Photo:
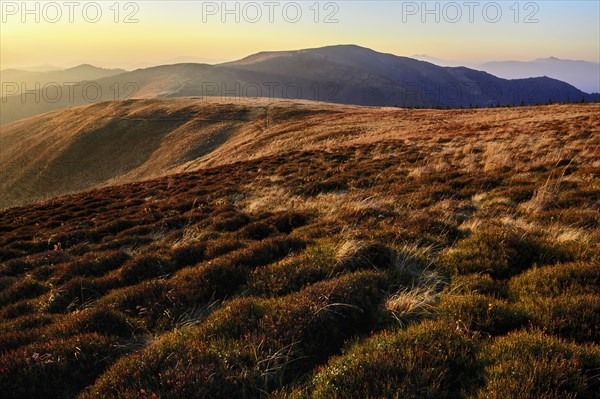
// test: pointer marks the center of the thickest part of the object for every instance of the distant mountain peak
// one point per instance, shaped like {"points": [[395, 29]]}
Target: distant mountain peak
{"points": [[307, 50], [549, 59], [345, 46], [87, 67]]}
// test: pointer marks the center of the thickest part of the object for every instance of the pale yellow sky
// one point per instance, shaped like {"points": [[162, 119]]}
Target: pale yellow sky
{"points": [[165, 31]]}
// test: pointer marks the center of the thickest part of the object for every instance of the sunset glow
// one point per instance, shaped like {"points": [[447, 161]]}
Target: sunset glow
{"points": [[156, 32]]}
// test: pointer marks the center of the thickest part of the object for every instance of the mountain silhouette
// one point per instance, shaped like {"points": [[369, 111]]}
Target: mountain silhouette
{"points": [[345, 74]]}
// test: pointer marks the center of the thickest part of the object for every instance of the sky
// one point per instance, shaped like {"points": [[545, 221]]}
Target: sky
{"points": [[133, 34]]}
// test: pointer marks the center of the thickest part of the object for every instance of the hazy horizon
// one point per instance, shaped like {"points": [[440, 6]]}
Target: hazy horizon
{"points": [[197, 59], [147, 33]]}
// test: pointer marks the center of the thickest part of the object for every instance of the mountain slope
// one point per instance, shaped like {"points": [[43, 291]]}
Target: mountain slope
{"points": [[115, 142], [584, 75], [400, 253], [339, 74]]}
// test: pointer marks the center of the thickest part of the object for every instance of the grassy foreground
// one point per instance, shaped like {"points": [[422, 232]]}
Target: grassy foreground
{"points": [[465, 265]]}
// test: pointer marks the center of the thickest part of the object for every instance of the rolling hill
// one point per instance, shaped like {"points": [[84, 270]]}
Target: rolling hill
{"points": [[344, 74], [124, 141], [305, 250]]}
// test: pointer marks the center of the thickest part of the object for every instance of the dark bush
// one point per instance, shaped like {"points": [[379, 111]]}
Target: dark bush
{"points": [[475, 312], [223, 276], [169, 369], [76, 293], [190, 254], [258, 231], [92, 265], [144, 267], [29, 263], [101, 320], [147, 301], [535, 365], [355, 255], [11, 340], [6, 282], [231, 221], [219, 247], [290, 275], [58, 368], [18, 309], [575, 278], [575, 317], [288, 221], [250, 345], [27, 322], [24, 289], [428, 360], [500, 251], [476, 283]]}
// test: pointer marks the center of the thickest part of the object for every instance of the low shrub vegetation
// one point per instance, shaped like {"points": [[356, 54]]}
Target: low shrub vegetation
{"points": [[476, 312], [92, 265], [428, 360], [460, 263], [502, 252], [250, 345], [476, 283], [575, 317], [145, 267], [576, 278], [535, 365], [23, 289], [293, 273], [56, 368]]}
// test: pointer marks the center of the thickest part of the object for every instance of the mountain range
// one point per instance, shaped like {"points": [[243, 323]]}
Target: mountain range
{"points": [[584, 75], [345, 74], [14, 80]]}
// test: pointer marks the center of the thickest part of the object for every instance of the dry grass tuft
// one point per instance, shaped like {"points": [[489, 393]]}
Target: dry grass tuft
{"points": [[412, 304]]}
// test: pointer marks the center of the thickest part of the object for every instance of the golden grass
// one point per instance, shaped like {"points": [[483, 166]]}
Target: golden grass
{"points": [[132, 140]]}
